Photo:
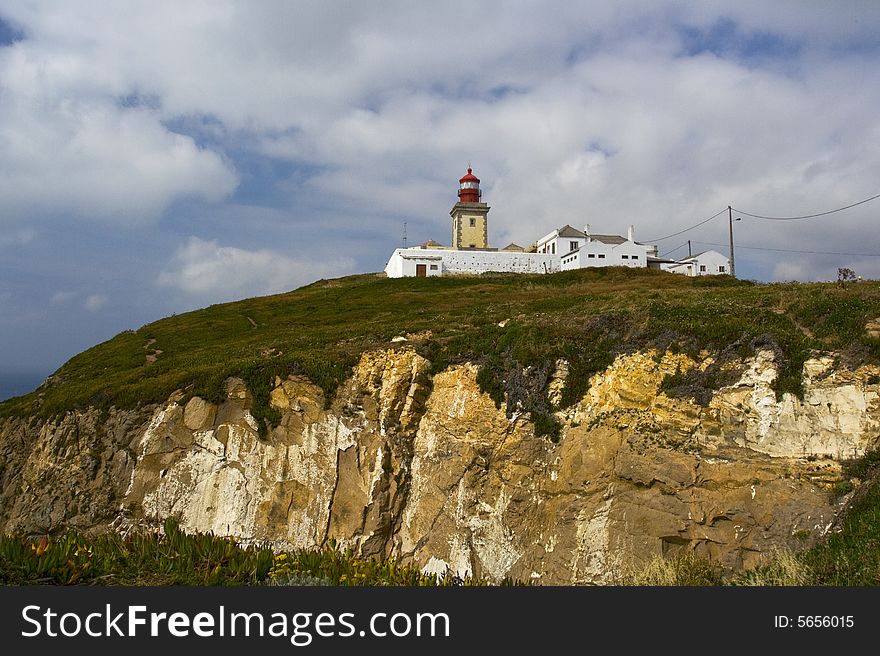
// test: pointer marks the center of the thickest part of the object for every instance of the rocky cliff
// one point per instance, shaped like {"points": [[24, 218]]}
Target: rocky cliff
{"points": [[428, 469]]}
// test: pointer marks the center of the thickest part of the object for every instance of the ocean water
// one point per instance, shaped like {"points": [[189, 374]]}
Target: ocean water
{"points": [[19, 383]]}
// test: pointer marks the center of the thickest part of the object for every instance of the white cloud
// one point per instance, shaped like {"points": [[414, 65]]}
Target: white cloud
{"points": [[72, 145], [211, 272], [95, 302], [96, 160], [656, 114], [616, 140], [62, 297]]}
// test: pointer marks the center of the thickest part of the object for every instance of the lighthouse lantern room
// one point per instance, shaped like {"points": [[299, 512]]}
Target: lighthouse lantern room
{"points": [[469, 188]]}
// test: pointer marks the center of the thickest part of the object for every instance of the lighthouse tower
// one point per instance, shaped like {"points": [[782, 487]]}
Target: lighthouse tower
{"points": [[470, 227]]}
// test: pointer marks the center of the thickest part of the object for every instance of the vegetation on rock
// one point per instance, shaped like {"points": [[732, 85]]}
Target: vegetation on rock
{"points": [[507, 323], [172, 557]]}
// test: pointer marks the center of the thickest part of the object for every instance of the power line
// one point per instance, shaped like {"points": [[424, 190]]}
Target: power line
{"points": [[789, 250], [807, 216], [668, 253], [774, 218], [697, 225]]}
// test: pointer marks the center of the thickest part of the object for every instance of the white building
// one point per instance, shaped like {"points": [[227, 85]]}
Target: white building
{"points": [[705, 263], [470, 252], [562, 240], [414, 262], [578, 249], [563, 249], [420, 262]]}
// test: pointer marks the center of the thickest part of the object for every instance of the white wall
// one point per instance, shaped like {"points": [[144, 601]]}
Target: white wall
{"points": [[498, 261], [403, 261], [711, 260], [546, 240], [715, 263], [686, 268], [553, 244], [629, 254], [563, 244], [598, 254], [394, 268], [571, 261]]}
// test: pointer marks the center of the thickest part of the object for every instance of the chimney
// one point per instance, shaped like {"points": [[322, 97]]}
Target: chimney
{"points": [[629, 233], [587, 230]]}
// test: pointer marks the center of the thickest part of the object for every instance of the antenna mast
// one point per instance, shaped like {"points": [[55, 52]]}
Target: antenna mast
{"points": [[404, 234]]}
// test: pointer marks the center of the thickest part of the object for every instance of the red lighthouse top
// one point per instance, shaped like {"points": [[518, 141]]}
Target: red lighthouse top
{"points": [[469, 188]]}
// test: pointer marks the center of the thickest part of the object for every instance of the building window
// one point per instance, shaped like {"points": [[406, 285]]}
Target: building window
{"points": [[721, 269], [601, 256], [572, 246], [702, 268], [554, 248], [473, 222], [634, 257], [472, 246], [591, 255], [624, 257], [433, 267]]}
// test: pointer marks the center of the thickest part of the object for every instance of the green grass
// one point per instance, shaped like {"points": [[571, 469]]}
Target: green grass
{"points": [[177, 558], [850, 555], [587, 317], [140, 559]]}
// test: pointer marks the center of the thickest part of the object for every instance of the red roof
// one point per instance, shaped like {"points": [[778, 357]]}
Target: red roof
{"points": [[470, 177]]}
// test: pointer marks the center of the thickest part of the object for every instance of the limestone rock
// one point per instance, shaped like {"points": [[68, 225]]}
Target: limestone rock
{"points": [[72, 472], [199, 414], [427, 469], [556, 386]]}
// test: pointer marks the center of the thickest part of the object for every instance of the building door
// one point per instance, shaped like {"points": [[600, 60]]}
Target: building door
{"points": [[421, 270]]}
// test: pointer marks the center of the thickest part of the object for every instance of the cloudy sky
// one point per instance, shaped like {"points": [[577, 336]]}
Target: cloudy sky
{"points": [[157, 157]]}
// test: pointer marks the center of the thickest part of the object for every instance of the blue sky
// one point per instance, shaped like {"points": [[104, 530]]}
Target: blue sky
{"points": [[157, 157]]}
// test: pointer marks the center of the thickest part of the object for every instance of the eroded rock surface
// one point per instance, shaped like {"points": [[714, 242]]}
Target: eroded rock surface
{"points": [[429, 470]]}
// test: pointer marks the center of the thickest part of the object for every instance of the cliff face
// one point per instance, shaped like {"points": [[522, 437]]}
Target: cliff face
{"points": [[430, 471]]}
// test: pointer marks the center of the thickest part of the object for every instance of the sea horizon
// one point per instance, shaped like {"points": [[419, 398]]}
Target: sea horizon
{"points": [[19, 383]]}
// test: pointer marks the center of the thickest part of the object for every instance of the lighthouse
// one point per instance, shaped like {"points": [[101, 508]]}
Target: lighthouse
{"points": [[470, 227]]}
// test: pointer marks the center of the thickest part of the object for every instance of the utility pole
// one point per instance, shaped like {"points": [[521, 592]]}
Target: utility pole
{"points": [[730, 220], [689, 248]]}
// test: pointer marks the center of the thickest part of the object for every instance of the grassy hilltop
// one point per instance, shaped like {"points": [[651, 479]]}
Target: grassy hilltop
{"points": [[585, 316]]}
